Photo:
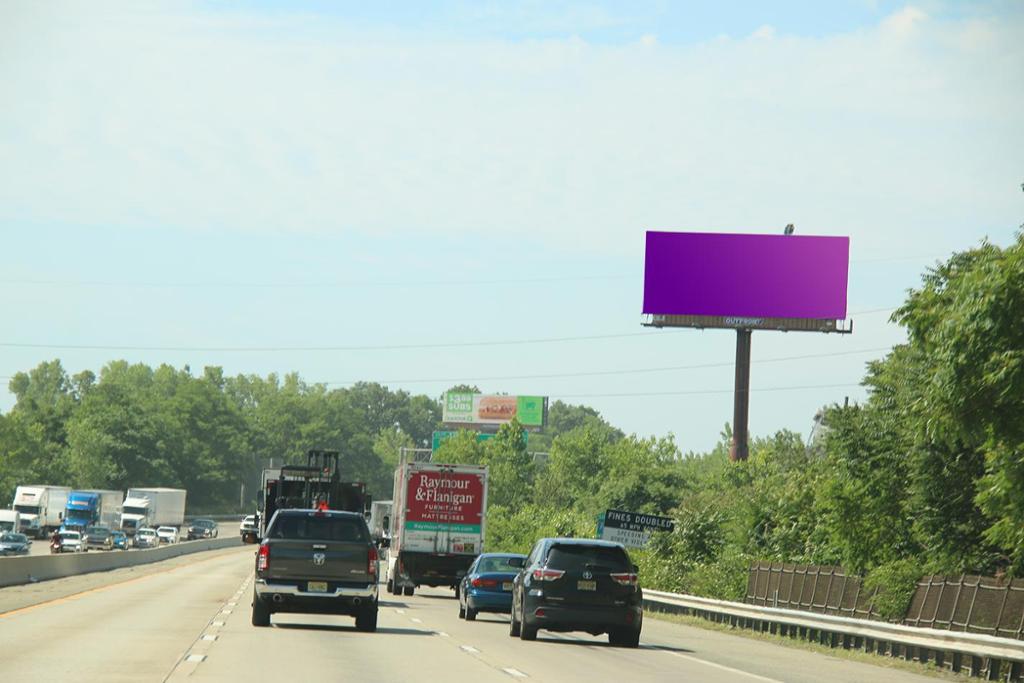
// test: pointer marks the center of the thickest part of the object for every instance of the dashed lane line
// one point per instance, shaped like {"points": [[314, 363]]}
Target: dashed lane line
{"points": [[470, 649], [516, 673]]}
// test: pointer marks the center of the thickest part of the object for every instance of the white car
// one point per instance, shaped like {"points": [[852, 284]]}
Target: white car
{"points": [[248, 525], [71, 542], [167, 534], [146, 538]]}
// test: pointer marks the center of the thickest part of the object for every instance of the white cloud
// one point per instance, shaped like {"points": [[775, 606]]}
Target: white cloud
{"points": [[649, 39], [904, 22], [764, 32], [168, 117]]}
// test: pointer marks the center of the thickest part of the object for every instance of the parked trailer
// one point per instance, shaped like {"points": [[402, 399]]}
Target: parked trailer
{"points": [[41, 507], [152, 507]]}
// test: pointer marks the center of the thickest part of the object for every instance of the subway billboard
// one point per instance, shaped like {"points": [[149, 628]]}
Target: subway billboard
{"points": [[484, 409], [744, 275]]}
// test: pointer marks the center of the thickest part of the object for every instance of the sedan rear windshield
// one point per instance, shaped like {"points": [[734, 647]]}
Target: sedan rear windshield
{"points": [[313, 528], [579, 557]]}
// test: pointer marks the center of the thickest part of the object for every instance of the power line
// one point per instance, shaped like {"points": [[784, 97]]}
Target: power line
{"points": [[701, 392], [380, 347], [601, 373], [367, 347]]}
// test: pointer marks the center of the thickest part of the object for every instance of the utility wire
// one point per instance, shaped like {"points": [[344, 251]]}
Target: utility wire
{"points": [[368, 347], [701, 392], [601, 373]]}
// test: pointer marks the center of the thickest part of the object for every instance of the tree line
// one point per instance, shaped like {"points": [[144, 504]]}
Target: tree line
{"points": [[926, 475]]}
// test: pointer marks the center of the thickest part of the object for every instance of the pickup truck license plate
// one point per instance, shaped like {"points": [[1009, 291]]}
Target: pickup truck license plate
{"points": [[586, 585], [506, 586], [316, 587]]}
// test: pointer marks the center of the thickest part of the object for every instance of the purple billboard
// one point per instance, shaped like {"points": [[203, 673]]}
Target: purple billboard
{"points": [[772, 276]]}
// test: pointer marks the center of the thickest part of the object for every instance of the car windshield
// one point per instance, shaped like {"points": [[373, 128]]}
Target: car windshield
{"points": [[577, 557], [165, 530], [147, 533], [13, 538], [204, 523], [99, 533], [496, 564], [322, 528], [70, 536]]}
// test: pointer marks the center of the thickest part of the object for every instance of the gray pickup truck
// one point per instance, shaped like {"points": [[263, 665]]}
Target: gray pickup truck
{"points": [[317, 562]]}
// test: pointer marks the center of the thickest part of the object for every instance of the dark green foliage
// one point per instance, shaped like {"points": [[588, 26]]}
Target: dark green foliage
{"points": [[895, 583]]}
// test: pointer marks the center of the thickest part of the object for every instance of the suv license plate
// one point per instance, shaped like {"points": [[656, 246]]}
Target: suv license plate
{"points": [[506, 586], [586, 585], [316, 587]]}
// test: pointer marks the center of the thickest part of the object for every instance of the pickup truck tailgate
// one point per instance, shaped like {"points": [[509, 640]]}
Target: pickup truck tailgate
{"points": [[293, 559]]}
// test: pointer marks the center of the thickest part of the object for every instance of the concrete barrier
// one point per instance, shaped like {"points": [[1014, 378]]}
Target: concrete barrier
{"points": [[16, 571]]}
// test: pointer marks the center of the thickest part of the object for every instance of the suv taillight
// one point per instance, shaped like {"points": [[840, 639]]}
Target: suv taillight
{"points": [[372, 568], [545, 574], [263, 560], [624, 578]]}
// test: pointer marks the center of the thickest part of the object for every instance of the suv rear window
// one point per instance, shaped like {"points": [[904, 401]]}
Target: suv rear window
{"points": [[325, 528], [577, 557]]}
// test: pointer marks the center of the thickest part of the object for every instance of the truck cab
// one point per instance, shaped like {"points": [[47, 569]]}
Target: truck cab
{"points": [[83, 510], [134, 515]]}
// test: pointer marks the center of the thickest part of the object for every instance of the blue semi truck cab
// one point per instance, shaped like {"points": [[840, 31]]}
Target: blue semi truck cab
{"points": [[82, 511]]}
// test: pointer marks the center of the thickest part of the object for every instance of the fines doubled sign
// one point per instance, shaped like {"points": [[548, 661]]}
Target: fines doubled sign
{"points": [[631, 529]]}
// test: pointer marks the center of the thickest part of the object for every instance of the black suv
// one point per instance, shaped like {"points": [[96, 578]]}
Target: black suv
{"points": [[572, 584], [316, 562]]}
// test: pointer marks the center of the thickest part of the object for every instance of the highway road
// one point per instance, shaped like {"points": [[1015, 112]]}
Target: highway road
{"points": [[189, 618], [42, 546]]}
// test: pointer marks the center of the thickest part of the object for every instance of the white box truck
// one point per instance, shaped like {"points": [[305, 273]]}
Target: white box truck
{"points": [[437, 524], [152, 507], [41, 508]]}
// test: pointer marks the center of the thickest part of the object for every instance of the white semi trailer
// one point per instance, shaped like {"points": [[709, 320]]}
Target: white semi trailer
{"points": [[152, 507], [41, 507]]}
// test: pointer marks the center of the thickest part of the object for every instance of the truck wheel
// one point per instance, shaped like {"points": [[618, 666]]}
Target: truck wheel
{"points": [[409, 590], [260, 612], [366, 620], [624, 637]]}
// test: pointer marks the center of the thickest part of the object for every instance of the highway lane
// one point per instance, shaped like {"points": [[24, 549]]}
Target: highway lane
{"points": [[193, 622]]}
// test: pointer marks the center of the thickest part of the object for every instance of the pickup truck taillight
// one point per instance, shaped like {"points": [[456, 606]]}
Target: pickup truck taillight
{"points": [[545, 574], [263, 559], [372, 564]]}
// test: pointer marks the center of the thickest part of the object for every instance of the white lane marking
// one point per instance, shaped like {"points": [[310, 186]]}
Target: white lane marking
{"points": [[442, 634], [415, 620], [195, 658], [218, 624], [209, 636], [225, 611], [232, 604], [400, 611], [470, 649], [719, 666], [515, 672]]}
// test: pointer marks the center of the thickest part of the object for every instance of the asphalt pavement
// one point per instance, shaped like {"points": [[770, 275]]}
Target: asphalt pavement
{"points": [[189, 618]]}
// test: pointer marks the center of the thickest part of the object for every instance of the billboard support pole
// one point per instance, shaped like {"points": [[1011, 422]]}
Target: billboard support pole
{"points": [[741, 398]]}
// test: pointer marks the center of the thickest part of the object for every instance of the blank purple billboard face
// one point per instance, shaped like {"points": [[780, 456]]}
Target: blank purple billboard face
{"points": [[763, 276]]}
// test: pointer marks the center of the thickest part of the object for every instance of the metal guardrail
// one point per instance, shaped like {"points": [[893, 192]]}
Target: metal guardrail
{"points": [[977, 654]]}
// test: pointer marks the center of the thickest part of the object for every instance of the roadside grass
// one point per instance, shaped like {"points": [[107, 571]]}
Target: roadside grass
{"points": [[796, 643]]}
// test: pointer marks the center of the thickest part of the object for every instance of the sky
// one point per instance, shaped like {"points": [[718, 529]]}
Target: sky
{"points": [[430, 193]]}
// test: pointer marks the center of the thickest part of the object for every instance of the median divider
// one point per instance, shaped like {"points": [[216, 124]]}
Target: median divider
{"points": [[15, 571]]}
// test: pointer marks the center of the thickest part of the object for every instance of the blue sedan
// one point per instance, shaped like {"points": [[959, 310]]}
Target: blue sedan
{"points": [[487, 586]]}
